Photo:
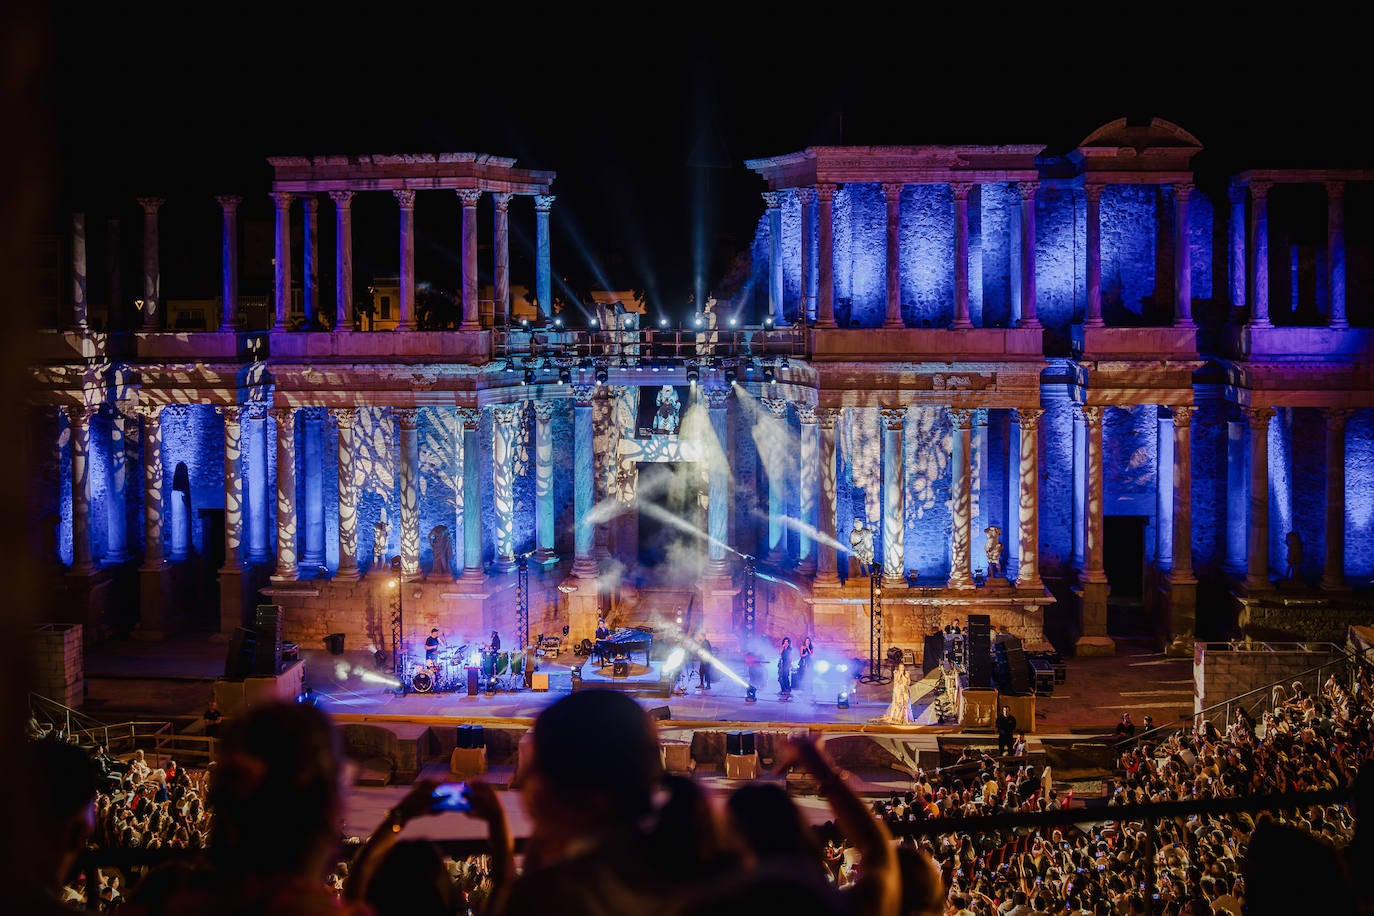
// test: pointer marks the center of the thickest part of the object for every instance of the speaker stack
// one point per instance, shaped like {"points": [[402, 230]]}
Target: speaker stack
{"points": [[1013, 670], [932, 653], [269, 623], [238, 664], [739, 742], [979, 651]]}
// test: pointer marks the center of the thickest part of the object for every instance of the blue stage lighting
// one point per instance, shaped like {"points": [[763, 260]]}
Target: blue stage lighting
{"points": [[842, 701], [602, 375], [751, 695]]}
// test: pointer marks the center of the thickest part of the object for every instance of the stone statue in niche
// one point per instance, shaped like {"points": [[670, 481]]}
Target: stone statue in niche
{"points": [[438, 542], [993, 548], [861, 547], [381, 533]]}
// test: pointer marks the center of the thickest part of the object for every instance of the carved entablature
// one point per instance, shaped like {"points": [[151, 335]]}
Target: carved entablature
{"points": [[961, 381]]}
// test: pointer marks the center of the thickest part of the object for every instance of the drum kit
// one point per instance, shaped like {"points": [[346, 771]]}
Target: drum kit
{"points": [[499, 671], [441, 675]]}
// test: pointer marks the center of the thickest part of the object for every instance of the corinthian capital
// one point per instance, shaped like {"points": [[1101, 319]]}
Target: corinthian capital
{"points": [[543, 411], [773, 199], [342, 199], [344, 416], [775, 406], [406, 417], [827, 417], [960, 417], [1258, 417], [1183, 416], [470, 197], [405, 197], [893, 417], [1028, 417]]}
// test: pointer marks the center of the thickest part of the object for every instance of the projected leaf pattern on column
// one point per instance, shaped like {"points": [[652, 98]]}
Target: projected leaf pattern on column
{"points": [[808, 452], [440, 476], [346, 417], [894, 543], [505, 419], [233, 484], [775, 444], [405, 418], [961, 419], [374, 471], [152, 482], [1028, 510], [861, 449], [543, 476], [79, 420], [285, 419], [927, 508]]}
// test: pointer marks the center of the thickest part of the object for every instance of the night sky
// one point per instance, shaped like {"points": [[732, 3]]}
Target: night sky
{"points": [[648, 117]]}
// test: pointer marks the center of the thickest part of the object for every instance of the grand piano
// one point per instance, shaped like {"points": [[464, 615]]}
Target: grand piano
{"points": [[624, 641]]}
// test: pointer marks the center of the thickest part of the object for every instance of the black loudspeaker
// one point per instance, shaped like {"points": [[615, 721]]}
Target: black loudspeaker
{"points": [[269, 623], [660, 713], [1017, 673], [739, 742], [473, 672], [620, 667], [238, 664], [463, 736], [979, 651], [932, 653], [478, 736]]}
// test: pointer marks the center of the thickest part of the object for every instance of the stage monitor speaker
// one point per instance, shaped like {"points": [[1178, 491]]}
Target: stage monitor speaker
{"points": [[932, 653], [739, 742], [473, 672], [238, 663], [660, 713], [620, 667], [1018, 669], [979, 643]]}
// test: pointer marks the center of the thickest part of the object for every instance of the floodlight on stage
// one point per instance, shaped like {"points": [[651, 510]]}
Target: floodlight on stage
{"points": [[673, 660], [768, 322], [730, 376], [733, 321], [663, 322], [693, 373], [842, 701], [602, 375], [751, 695], [565, 375], [698, 321], [558, 322], [822, 666]]}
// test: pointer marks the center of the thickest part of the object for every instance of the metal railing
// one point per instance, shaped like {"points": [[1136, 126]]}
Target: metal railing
{"points": [[628, 348], [158, 740]]}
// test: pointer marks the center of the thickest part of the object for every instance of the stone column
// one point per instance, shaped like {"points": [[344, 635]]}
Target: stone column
{"points": [[773, 203], [1183, 258], [1028, 525], [1093, 570], [287, 567], [152, 274], [892, 196], [471, 507], [472, 319], [79, 420], [543, 270], [584, 471], [343, 267], [116, 526], [718, 483], [1093, 582], [1333, 570], [1235, 230], [960, 190], [775, 467], [406, 421], [233, 487], [1259, 256], [1093, 193], [406, 201], [1257, 548], [1164, 491], [808, 466], [80, 303], [1182, 582], [154, 556], [1080, 490], [960, 570], [312, 465], [256, 414], [505, 427], [1235, 498], [311, 205], [229, 261], [543, 482], [1027, 190], [346, 417], [806, 310], [825, 254], [894, 496], [500, 309], [281, 259], [1335, 253], [827, 568], [1011, 526], [1182, 569]]}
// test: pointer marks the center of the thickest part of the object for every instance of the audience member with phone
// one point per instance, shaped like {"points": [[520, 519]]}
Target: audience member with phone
{"points": [[428, 798]]}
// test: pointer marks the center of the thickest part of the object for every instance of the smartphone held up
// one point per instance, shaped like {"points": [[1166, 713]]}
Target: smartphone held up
{"points": [[450, 796]]}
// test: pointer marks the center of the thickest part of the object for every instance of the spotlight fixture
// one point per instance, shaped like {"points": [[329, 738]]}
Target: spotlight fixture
{"points": [[529, 377], [751, 695], [510, 365], [768, 375], [586, 362], [698, 322], [654, 366], [595, 322], [524, 322], [842, 701], [730, 376], [693, 373], [749, 367], [733, 321], [558, 322], [602, 375], [564, 374], [577, 673], [784, 363], [768, 322], [663, 322]]}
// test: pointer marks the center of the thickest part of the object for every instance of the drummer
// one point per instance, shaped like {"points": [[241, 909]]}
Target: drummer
{"points": [[432, 644]]}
